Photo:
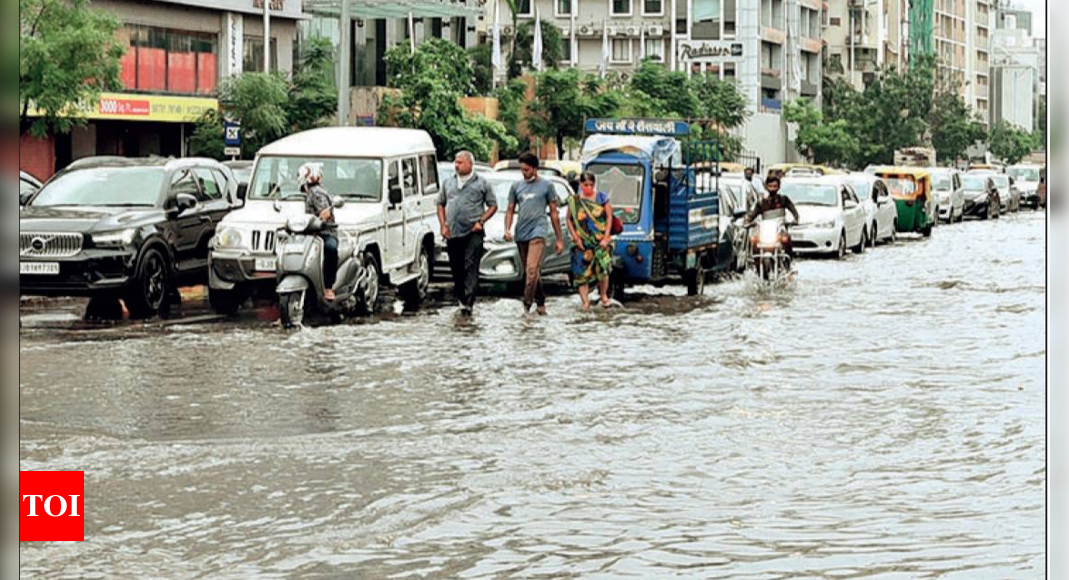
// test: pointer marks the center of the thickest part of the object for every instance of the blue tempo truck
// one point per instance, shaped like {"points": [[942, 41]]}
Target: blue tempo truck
{"points": [[664, 190]]}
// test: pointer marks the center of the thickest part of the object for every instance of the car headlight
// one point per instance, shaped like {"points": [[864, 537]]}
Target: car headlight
{"points": [[505, 268], [116, 239], [828, 225], [229, 238]]}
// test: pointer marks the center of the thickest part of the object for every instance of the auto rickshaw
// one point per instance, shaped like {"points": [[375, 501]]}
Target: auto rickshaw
{"points": [[911, 188]]}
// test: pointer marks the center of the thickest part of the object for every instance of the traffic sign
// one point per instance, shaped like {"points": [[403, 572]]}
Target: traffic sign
{"points": [[231, 133], [232, 151]]}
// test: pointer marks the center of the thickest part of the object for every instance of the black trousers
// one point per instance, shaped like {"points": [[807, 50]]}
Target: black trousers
{"points": [[330, 260], [465, 255]]}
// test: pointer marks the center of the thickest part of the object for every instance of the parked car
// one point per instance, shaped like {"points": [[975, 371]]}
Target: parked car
{"points": [[243, 174], [736, 196], [501, 259], [1009, 197], [514, 166], [133, 228], [946, 182], [832, 217], [881, 216], [28, 185], [389, 181], [447, 169], [981, 196], [1026, 178]]}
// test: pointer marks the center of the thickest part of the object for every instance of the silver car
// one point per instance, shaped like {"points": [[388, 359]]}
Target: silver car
{"points": [[949, 194], [501, 259], [881, 213], [1026, 179]]}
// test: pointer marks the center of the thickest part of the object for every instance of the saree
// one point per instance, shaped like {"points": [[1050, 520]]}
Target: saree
{"points": [[591, 222]]}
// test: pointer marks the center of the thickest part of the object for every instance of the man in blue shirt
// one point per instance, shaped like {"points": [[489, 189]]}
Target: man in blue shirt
{"points": [[531, 200], [464, 205]]}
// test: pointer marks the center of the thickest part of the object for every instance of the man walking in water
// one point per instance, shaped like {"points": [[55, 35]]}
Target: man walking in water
{"points": [[530, 199], [464, 205]]}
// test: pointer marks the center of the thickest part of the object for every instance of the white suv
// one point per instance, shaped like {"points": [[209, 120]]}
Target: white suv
{"points": [[389, 180]]}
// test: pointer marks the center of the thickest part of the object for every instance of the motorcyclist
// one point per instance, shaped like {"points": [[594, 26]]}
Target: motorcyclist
{"points": [[774, 206], [319, 203]]}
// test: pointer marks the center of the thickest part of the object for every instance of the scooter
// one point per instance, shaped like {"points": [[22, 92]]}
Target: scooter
{"points": [[300, 273], [770, 258]]}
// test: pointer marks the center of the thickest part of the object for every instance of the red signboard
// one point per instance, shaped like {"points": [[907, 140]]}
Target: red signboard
{"points": [[52, 506]]}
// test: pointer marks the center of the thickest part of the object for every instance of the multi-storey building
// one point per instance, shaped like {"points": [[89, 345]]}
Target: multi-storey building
{"points": [[863, 37], [1016, 80], [958, 34], [1015, 18]]}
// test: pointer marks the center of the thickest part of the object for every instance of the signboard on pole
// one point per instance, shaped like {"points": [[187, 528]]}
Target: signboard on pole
{"points": [[231, 133]]}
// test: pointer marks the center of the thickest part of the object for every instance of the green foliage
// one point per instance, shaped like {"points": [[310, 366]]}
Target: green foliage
{"points": [[482, 68], [564, 100], [510, 101], [953, 127], [552, 47], [1009, 143], [720, 101], [658, 92], [829, 143], [69, 54], [430, 82], [259, 101], [312, 96]]}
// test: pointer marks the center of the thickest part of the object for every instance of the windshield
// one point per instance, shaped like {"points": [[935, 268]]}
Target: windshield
{"points": [[973, 182], [1025, 173], [353, 179], [243, 174], [862, 186], [941, 181], [623, 183], [811, 193], [901, 186], [104, 186]]}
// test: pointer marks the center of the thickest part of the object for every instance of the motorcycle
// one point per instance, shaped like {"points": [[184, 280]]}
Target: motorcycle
{"points": [[770, 258], [300, 272]]}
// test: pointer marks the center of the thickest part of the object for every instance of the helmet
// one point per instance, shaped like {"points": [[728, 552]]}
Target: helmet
{"points": [[310, 173]]}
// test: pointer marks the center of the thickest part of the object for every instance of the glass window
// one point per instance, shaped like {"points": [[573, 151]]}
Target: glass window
{"points": [[566, 50], [730, 17], [165, 60], [104, 186], [525, 8], [253, 58], [706, 20], [183, 182], [564, 6], [653, 6], [429, 170], [354, 179], [1024, 173], [224, 183], [562, 193], [624, 184], [621, 50], [408, 171], [209, 187], [621, 7], [900, 186], [393, 178], [655, 49], [810, 193], [973, 182]]}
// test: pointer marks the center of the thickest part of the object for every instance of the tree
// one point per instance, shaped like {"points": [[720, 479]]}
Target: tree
{"points": [[826, 143], [482, 68], [510, 99], [552, 47], [312, 94], [259, 101], [953, 127], [662, 92], [1010, 143], [564, 100], [722, 103], [69, 55], [430, 83]]}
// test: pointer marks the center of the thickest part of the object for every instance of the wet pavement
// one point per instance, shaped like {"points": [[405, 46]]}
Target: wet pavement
{"points": [[882, 417]]}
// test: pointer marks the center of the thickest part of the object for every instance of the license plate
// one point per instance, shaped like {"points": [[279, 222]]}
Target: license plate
{"points": [[39, 268], [266, 265]]}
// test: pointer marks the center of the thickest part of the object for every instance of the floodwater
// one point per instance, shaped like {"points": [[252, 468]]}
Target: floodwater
{"points": [[882, 417]]}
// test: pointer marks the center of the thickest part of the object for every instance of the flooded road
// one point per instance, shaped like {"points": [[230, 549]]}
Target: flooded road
{"points": [[883, 417]]}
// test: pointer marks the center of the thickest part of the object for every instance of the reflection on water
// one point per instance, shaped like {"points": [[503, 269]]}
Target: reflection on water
{"points": [[879, 417]]}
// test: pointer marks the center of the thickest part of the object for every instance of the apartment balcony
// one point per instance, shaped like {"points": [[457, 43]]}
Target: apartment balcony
{"points": [[811, 45], [771, 79], [773, 35], [810, 89]]}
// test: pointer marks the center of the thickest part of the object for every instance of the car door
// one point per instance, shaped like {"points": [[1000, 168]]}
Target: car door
{"points": [[412, 185], [957, 198], [886, 210], [551, 262], [853, 215], [190, 225], [393, 253]]}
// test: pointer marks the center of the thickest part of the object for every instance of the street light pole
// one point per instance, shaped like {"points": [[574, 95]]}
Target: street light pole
{"points": [[267, 36], [346, 25]]}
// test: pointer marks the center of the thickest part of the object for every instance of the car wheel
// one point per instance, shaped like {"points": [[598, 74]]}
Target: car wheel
{"points": [[226, 302], [368, 303], [291, 305], [617, 285], [415, 291], [874, 234], [151, 288], [860, 247], [840, 253], [695, 280], [894, 232]]}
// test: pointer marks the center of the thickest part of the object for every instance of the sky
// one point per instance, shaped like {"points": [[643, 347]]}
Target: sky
{"points": [[1039, 14]]}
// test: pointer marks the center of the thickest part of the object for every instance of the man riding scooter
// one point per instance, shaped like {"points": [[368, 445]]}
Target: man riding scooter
{"points": [[319, 203], [774, 207]]}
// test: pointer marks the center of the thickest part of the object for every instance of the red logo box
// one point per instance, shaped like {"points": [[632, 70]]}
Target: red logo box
{"points": [[52, 506]]}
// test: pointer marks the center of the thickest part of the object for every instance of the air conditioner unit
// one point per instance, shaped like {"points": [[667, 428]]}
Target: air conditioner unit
{"points": [[506, 30], [655, 30], [632, 31], [613, 31], [585, 30]]}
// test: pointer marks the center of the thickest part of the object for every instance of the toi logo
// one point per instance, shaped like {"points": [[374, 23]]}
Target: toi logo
{"points": [[51, 506]]}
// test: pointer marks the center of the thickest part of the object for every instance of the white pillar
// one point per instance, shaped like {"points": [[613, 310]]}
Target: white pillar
{"points": [[672, 35], [346, 32], [267, 35]]}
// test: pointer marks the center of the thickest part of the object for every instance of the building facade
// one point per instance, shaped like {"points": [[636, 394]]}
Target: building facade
{"points": [[863, 38], [958, 34], [177, 54], [1016, 80]]}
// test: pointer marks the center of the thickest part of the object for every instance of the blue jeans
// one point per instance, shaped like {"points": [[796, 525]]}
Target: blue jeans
{"points": [[330, 260]]}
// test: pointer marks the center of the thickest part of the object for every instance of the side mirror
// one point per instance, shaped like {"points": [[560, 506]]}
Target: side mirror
{"points": [[338, 201], [395, 195], [243, 191], [185, 202]]}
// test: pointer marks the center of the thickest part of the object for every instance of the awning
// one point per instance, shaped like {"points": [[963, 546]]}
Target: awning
{"points": [[370, 9]]}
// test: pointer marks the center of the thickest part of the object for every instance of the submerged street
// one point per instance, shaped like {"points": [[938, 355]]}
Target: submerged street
{"points": [[880, 417]]}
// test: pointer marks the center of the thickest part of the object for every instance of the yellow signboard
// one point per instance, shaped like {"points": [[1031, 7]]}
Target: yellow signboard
{"points": [[132, 107]]}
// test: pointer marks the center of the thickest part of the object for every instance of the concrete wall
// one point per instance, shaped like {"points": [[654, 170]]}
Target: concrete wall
{"points": [[766, 135]]}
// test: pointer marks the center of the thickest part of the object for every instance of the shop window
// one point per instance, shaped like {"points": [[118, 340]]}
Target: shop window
{"points": [[173, 61]]}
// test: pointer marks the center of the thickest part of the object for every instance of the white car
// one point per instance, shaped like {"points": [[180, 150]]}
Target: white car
{"points": [[832, 217], [949, 194], [389, 181], [1026, 179], [881, 215]]}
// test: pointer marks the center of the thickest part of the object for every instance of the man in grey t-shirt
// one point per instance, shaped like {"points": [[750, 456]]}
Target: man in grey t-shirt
{"points": [[465, 203], [530, 200]]}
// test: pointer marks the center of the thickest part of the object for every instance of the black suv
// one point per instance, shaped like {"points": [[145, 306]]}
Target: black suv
{"points": [[135, 229]]}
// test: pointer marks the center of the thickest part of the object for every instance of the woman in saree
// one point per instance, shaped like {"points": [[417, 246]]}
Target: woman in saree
{"points": [[590, 223]]}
